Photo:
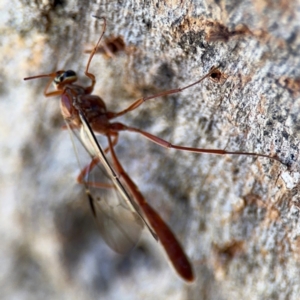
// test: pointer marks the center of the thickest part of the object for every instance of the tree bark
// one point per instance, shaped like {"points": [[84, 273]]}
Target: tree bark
{"points": [[236, 216]]}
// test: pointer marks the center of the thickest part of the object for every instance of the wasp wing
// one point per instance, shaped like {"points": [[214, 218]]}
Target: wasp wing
{"points": [[119, 226], [117, 216]]}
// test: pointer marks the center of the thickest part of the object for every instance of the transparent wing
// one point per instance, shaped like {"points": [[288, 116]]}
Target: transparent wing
{"points": [[94, 148], [119, 226], [116, 214]]}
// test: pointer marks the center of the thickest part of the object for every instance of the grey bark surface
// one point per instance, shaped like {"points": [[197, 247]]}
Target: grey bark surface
{"points": [[237, 217]]}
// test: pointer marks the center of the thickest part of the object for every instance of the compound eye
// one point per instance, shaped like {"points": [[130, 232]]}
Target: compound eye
{"points": [[65, 77], [70, 75]]}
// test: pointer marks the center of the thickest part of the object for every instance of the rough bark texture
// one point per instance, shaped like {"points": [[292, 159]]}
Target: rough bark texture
{"points": [[237, 217]]}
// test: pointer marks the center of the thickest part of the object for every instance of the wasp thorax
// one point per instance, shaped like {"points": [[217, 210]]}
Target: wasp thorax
{"points": [[64, 77]]}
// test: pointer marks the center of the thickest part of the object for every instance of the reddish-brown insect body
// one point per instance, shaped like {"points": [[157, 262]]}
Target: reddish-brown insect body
{"points": [[77, 103]]}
